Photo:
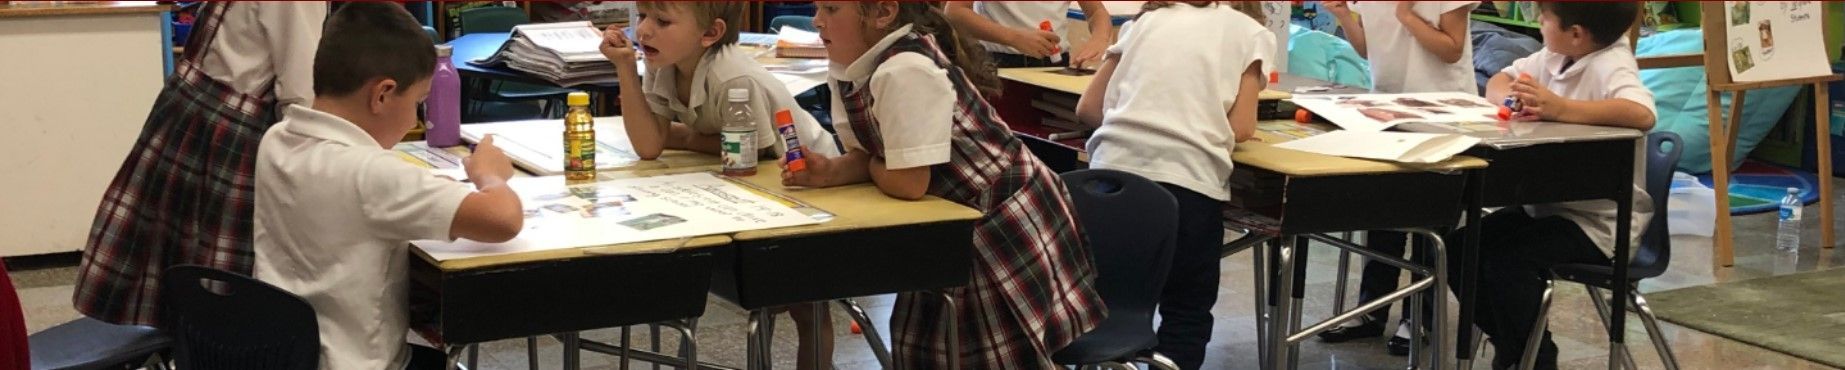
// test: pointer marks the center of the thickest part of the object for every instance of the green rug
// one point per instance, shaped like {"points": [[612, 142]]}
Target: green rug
{"points": [[1801, 314]]}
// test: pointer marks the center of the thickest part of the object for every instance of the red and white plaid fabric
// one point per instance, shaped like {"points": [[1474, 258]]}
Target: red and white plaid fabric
{"points": [[1032, 290], [184, 193]]}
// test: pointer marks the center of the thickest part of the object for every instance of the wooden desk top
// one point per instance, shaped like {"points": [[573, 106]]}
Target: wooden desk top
{"points": [[657, 246], [1047, 77], [21, 9], [854, 207], [1263, 154]]}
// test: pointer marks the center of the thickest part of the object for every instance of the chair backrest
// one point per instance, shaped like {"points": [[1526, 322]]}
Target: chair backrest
{"points": [[799, 22], [492, 19], [1655, 250], [1132, 225], [222, 320]]}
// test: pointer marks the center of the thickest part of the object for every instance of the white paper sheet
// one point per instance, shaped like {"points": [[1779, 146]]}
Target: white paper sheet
{"points": [[1376, 112], [1775, 40], [1407, 147], [538, 145], [626, 211]]}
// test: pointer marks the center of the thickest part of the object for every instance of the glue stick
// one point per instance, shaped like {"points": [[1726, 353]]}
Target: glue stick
{"points": [[796, 156]]}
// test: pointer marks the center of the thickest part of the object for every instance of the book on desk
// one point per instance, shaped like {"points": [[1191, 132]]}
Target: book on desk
{"points": [[565, 53]]}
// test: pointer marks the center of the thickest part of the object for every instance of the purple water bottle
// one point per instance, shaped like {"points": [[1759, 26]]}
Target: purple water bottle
{"points": [[444, 102]]}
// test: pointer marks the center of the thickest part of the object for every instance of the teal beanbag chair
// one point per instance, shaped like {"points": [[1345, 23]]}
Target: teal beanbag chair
{"points": [[1325, 57], [1678, 93]]}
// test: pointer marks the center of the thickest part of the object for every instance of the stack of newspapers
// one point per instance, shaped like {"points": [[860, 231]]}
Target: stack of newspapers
{"points": [[564, 53]]}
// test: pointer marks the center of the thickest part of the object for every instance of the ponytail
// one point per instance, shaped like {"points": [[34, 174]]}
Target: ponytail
{"points": [[962, 50]]}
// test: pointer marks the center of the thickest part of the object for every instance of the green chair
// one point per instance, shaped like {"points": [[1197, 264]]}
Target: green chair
{"points": [[499, 19]]}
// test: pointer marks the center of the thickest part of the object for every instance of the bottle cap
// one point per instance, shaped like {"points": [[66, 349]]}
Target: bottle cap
{"points": [[783, 116], [1274, 77], [1505, 114], [443, 50], [578, 98], [739, 95], [1302, 116]]}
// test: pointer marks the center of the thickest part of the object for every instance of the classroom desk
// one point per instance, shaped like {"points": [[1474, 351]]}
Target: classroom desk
{"points": [[1545, 162], [875, 244]]}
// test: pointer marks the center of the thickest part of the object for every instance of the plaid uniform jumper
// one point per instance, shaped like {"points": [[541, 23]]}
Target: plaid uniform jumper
{"points": [[1032, 290], [184, 193]]}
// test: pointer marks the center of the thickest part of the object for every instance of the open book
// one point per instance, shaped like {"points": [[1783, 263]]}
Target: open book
{"points": [[564, 53], [1376, 112], [1407, 147]]}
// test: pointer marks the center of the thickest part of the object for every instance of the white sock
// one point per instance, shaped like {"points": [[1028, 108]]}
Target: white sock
{"points": [[1403, 330]]}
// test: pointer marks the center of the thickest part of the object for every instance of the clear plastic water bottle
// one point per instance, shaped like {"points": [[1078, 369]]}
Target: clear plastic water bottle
{"points": [[1787, 236], [739, 135]]}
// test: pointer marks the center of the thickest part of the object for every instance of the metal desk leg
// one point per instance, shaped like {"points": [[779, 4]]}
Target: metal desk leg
{"points": [[573, 350], [1439, 329], [1470, 264], [872, 338], [1283, 306], [1264, 301], [954, 329], [454, 356]]}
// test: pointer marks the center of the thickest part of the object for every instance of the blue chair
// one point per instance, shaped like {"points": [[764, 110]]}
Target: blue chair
{"points": [[815, 101], [500, 19], [1650, 259], [800, 22], [89, 344], [1131, 224], [222, 320]]}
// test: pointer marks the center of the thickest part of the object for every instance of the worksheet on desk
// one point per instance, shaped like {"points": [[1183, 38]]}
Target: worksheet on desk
{"points": [[1377, 112], [538, 145], [559, 216]]}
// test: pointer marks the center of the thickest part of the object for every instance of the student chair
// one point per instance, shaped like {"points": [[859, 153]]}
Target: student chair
{"points": [[1131, 223], [81, 344], [500, 19], [222, 320], [1650, 259]]}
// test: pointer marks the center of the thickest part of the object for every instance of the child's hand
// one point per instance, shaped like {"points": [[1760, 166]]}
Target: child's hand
{"points": [[1406, 12], [818, 173], [488, 165], [616, 47], [1339, 9], [1033, 42], [1089, 54], [1538, 101]]}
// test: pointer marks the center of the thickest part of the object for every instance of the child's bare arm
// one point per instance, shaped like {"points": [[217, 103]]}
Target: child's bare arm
{"points": [[907, 184], [493, 213], [1446, 40], [1089, 106], [1242, 113], [1354, 30], [1617, 112]]}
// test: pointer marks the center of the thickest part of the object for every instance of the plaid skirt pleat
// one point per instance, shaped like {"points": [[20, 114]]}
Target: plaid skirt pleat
{"points": [[183, 195]]}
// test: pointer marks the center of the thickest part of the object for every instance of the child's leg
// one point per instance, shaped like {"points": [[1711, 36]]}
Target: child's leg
{"points": [[816, 348], [1191, 286], [1522, 249], [1380, 278]]}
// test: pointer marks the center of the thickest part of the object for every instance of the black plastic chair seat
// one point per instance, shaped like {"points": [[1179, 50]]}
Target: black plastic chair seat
{"points": [[1603, 276], [1117, 339], [87, 343]]}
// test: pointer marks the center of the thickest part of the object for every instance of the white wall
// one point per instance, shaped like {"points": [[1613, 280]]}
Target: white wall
{"points": [[74, 91]]}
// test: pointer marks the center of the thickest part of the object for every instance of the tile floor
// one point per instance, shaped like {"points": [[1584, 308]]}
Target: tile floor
{"points": [[45, 288]]}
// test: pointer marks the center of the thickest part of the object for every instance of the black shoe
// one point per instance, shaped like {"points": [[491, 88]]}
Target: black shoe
{"points": [[1397, 346], [1368, 329]]}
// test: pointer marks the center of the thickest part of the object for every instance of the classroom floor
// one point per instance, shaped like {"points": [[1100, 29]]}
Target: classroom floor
{"points": [[45, 288]]}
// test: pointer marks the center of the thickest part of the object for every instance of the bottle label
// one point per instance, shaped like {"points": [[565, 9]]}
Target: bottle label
{"points": [[739, 150], [1790, 213], [580, 155]]}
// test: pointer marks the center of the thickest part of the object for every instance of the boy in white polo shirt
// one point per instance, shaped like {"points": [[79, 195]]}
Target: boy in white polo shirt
{"points": [[335, 209], [1586, 74]]}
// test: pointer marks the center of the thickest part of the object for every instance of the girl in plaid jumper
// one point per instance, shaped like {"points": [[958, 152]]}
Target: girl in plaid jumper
{"points": [[915, 124]]}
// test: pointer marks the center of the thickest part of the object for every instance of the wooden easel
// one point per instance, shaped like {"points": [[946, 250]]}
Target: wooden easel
{"points": [[1723, 132]]}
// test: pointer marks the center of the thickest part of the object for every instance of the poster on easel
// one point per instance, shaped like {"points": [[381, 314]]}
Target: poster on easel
{"points": [[1277, 14], [1775, 40]]}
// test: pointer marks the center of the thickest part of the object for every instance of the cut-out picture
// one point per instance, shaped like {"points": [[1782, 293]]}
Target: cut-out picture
{"points": [[1464, 103], [533, 213], [552, 197], [1739, 13], [653, 221], [1347, 101], [605, 209], [1413, 102], [1742, 60], [560, 208], [1386, 115], [1768, 38], [1434, 111]]}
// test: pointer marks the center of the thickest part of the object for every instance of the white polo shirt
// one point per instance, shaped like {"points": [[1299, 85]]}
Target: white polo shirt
{"points": [[1025, 14], [334, 215], [1399, 64], [717, 73], [1165, 114], [268, 41], [1609, 73], [913, 100]]}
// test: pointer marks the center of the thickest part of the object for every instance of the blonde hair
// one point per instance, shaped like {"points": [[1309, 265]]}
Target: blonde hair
{"points": [[705, 13], [1253, 9]]}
